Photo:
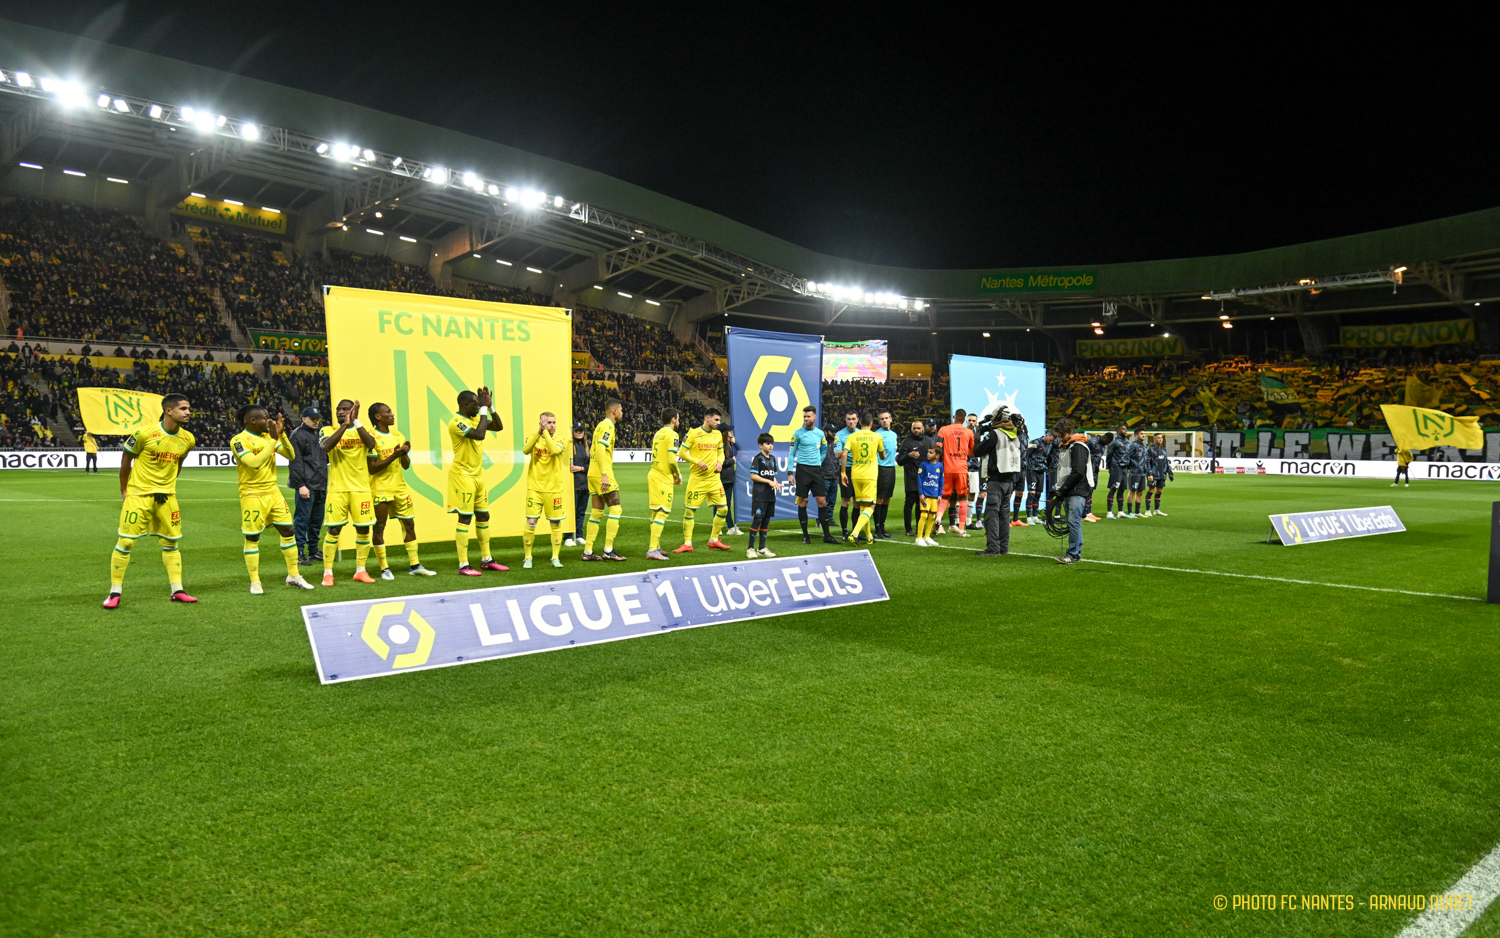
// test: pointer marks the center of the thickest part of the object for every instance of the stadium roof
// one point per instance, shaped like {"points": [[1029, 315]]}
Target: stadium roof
{"points": [[184, 128]]}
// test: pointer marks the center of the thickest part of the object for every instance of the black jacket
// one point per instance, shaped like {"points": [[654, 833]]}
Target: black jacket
{"points": [[1075, 470], [581, 458], [912, 467], [310, 465]]}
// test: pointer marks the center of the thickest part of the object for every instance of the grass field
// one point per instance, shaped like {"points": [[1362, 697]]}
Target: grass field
{"points": [[1007, 747]]}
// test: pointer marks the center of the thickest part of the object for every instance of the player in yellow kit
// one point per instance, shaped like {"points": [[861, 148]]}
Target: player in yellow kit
{"points": [[544, 486], [348, 496], [391, 454], [660, 479], [467, 496], [604, 488], [703, 449], [862, 452], [149, 463], [261, 503]]}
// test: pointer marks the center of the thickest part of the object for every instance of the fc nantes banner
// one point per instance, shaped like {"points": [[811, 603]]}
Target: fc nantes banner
{"points": [[416, 353], [772, 376], [116, 411], [1418, 428]]}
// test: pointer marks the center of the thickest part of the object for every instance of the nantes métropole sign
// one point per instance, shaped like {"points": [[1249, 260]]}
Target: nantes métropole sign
{"points": [[1039, 281]]}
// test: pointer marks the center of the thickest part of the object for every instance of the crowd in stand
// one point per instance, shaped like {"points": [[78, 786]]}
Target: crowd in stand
{"points": [[92, 273], [25, 409], [263, 286], [620, 340]]}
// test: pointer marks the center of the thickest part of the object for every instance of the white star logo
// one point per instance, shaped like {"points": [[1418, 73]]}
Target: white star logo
{"points": [[1001, 378]]}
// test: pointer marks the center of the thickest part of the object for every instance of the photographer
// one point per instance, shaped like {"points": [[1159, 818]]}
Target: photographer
{"points": [[1002, 437], [1076, 467]]}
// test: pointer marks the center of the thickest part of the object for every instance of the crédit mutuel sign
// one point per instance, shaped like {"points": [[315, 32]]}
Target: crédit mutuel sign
{"points": [[1039, 281]]}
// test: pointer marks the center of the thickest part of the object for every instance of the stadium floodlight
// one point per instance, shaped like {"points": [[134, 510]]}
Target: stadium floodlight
{"points": [[985, 334], [410, 240], [249, 132], [492, 189], [1400, 270], [73, 172], [320, 149], [220, 121], [374, 232], [1223, 316], [31, 165], [233, 201], [24, 79], [369, 155], [1166, 335], [512, 193], [204, 121], [123, 182], [155, 112], [1098, 331], [380, 214], [471, 179], [340, 151], [1227, 325], [532, 199], [1273, 318], [395, 162], [557, 201], [624, 294], [102, 101], [69, 93], [436, 175], [533, 270]]}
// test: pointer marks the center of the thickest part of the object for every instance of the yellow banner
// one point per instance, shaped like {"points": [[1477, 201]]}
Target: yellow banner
{"points": [[1417, 428], [116, 411], [1411, 334], [1149, 347], [416, 353], [245, 216]]}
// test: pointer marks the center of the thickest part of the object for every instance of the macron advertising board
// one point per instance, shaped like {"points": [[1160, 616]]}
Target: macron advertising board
{"points": [[375, 637]]}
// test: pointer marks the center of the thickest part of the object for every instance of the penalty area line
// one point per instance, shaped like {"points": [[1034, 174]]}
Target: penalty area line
{"points": [[1479, 886]]}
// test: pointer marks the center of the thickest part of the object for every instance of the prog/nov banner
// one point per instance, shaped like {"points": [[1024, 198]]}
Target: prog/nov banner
{"points": [[772, 376], [417, 352], [289, 342], [1150, 346], [246, 216], [1310, 527], [1411, 334], [374, 637]]}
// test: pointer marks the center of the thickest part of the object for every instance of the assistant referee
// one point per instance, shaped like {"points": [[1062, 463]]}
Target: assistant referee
{"points": [[808, 451]]}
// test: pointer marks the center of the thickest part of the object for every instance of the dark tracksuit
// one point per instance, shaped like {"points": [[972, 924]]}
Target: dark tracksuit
{"points": [[580, 484], [1114, 461], [310, 468], [910, 467], [1158, 471], [763, 502], [727, 479], [1034, 464]]}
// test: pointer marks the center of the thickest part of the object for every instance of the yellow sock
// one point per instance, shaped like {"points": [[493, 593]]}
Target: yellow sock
{"points": [[171, 558], [862, 522], [289, 554], [482, 531], [412, 557], [330, 550], [118, 561], [528, 535], [596, 515], [658, 522], [461, 540], [687, 525], [923, 525], [717, 525], [556, 539], [611, 528], [252, 559], [380, 556], [361, 550]]}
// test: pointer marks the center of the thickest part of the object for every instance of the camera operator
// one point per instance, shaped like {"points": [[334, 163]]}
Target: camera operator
{"points": [[1075, 486], [1002, 437]]}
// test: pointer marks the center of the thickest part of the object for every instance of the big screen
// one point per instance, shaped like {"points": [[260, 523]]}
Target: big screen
{"points": [[844, 361]]}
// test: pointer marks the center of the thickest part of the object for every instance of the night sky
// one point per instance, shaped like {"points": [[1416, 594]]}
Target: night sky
{"points": [[911, 139]]}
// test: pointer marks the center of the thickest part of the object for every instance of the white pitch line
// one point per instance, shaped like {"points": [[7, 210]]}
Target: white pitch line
{"points": [[1480, 885], [1152, 566]]}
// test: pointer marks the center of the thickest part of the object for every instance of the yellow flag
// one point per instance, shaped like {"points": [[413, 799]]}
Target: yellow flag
{"points": [[116, 411], [1419, 393], [1417, 428]]}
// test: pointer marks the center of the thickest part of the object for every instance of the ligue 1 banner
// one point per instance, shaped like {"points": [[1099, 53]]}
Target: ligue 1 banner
{"points": [[1338, 468], [379, 636], [415, 353], [772, 376]]}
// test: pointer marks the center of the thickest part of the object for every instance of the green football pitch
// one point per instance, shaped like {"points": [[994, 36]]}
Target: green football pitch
{"points": [[1006, 747]]}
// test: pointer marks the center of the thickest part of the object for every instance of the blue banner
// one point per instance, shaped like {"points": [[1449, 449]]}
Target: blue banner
{"points": [[374, 637], [772, 376], [1310, 527]]}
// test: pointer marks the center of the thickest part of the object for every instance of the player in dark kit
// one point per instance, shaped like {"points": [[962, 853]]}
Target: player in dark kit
{"points": [[763, 498], [1114, 461], [1158, 471], [1135, 467]]}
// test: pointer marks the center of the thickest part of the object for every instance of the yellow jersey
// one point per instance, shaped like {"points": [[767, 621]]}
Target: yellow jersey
{"points": [[468, 453], [664, 453], [544, 474], [388, 481], [602, 452], [347, 469], [90, 445], [158, 457], [864, 449], [706, 446], [255, 460]]}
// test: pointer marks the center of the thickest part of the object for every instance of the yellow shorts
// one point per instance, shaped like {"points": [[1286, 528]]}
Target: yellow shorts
{"points": [[467, 494], [402, 506], [356, 507], [930, 506], [696, 498], [260, 511], [864, 489], [544, 503], [597, 485], [141, 515], [659, 492]]}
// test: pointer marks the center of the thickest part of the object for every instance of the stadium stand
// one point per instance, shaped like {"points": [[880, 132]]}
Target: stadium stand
{"points": [[92, 273], [262, 283], [617, 340]]}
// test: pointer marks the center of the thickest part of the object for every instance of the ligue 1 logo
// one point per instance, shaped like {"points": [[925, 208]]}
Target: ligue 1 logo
{"points": [[766, 402], [398, 634]]}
